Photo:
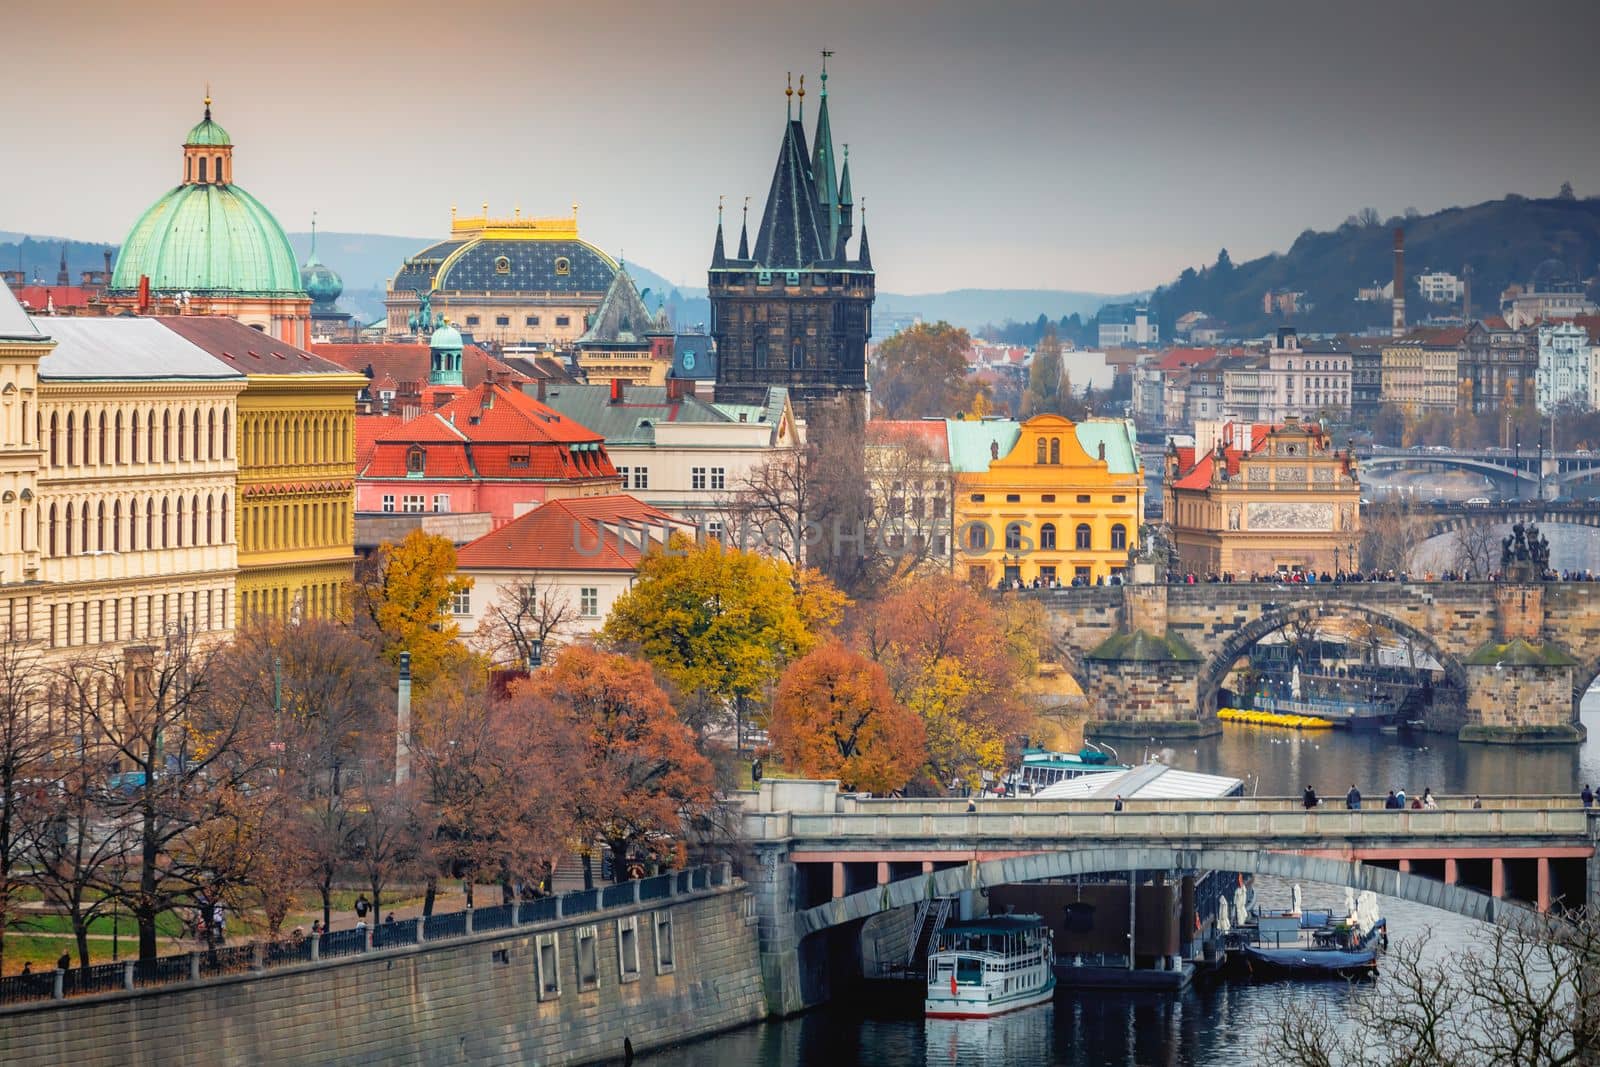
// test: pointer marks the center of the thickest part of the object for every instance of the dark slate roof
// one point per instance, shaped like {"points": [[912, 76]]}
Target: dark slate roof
{"points": [[416, 274], [693, 357], [633, 420], [242, 348], [789, 238], [621, 317], [532, 268]]}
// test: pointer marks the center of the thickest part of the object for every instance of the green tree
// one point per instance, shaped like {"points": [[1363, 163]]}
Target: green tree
{"points": [[403, 592], [720, 624], [922, 371]]}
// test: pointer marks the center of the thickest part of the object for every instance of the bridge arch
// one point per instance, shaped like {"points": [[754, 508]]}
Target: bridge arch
{"points": [[1499, 471], [1243, 639], [1066, 864], [1543, 515]]}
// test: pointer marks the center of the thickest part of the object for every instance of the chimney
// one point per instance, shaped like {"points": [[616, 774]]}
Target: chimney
{"points": [[540, 383], [616, 390], [675, 388], [1466, 294], [402, 723], [144, 293], [1399, 282]]}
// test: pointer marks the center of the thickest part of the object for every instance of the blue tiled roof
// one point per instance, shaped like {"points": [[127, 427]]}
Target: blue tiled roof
{"points": [[532, 267]]}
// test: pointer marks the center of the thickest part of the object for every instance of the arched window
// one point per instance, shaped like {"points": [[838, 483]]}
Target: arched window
{"points": [[1055, 450], [416, 459], [1119, 536], [166, 435], [88, 437], [194, 519], [100, 528], [72, 438], [197, 432], [1013, 536], [1039, 455], [1081, 535], [55, 434], [211, 434], [202, 168], [1047, 535], [83, 519], [978, 537], [53, 542], [211, 516], [183, 440], [227, 530], [150, 452], [118, 447], [100, 456], [227, 434], [150, 538], [67, 525], [180, 520], [133, 525], [116, 526], [133, 438], [166, 522]]}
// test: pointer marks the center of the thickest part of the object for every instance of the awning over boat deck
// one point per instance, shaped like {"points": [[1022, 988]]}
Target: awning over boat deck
{"points": [[1152, 781]]}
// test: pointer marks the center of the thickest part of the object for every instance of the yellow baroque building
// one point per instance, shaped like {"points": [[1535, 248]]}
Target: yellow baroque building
{"points": [[296, 449], [1046, 500]]}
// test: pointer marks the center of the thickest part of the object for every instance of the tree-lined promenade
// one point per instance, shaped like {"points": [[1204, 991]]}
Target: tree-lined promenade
{"points": [[181, 781]]}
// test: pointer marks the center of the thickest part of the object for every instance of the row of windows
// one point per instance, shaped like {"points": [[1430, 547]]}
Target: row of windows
{"points": [[95, 622], [1049, 498], [80, 439], [269, 527], [295, 440], [413, 503], [698, 477], [166, 522], [640, 475], [588, 595], [978, 537], [586, 954], [530, 320]]}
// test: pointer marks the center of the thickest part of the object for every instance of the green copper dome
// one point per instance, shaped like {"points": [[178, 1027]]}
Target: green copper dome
{"points": [[208, 133], [208, 239], [321, 282]]}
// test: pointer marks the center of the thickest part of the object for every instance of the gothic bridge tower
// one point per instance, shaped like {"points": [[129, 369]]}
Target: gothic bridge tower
{"points": [[797, 311]]}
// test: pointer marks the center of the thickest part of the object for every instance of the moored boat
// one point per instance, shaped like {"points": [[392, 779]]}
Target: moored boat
{"points": [[986, 967]]}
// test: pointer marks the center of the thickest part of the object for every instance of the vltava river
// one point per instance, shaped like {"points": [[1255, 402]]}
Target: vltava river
{"points": [[1221, 1024]]}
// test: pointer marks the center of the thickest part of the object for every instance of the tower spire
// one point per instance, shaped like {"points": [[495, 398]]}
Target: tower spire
{"points": [[208, 100], [823, 171], [314, 236], [744, 231], [802, 98], [718, 257], [846, 206], [788, 93], [864, 259]]}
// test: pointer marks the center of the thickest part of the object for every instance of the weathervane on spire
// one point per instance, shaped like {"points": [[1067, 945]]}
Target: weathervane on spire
{"points": [[719, 208], [208, 99], [826, 52], [788, 92], [802, 98], [313, 234]]}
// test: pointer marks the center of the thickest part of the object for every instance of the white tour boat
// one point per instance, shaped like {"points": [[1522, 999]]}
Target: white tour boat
{"points": [[987, 967]]}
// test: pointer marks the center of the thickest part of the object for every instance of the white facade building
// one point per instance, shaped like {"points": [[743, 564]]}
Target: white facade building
{"points": [[1441, 287], [1566, 367]]}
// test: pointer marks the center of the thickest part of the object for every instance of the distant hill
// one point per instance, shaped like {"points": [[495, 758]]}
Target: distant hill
{"points": [[1503, 241], [974, 308]]}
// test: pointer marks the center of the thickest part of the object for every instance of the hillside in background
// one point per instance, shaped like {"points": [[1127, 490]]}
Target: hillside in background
{"points": [[1503, 241]]}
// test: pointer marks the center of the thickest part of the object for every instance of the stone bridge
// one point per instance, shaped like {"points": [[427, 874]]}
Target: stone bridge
{"points": [[1517, 657], [825, 862], [1530, 467], [1449, 519]]}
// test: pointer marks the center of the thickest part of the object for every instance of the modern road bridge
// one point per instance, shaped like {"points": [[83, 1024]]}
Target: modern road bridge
{"points": [[1531, 467], [825, 861]]}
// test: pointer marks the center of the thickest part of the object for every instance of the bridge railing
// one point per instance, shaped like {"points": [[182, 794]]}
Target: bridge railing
{"points": [[849, 803], [871, 829]]}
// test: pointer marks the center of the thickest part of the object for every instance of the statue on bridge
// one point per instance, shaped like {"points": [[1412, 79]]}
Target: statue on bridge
{"points": [[1525, 554]]}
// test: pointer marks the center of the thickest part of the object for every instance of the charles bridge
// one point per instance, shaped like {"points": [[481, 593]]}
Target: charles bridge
{"points": [[1517, 656]]}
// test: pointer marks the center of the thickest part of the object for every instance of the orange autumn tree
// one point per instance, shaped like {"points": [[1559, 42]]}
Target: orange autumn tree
{"points": [[641, 774], [834, 717], [962, 664]]}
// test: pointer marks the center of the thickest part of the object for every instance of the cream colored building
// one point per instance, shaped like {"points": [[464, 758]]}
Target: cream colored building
{"points": [[120, 477], [1420, 370]]}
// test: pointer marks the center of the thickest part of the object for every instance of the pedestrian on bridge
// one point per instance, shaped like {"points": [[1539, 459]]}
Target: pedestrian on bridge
{"points": [[1391, 802], [1310, 798], [1352, 799], [1587, 796]]}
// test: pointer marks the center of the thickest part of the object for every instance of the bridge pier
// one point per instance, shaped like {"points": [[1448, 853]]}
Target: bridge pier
{"points": [[1144, 681]]}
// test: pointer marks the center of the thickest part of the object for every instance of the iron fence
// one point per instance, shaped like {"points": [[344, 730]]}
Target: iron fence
{"points": [[449, 924], [338, 943], [391, 934], [163, 970], [21, 988], [495, 918]]}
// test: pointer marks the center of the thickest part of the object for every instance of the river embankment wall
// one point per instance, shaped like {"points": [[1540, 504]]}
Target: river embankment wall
{"points": [[566, 991]]}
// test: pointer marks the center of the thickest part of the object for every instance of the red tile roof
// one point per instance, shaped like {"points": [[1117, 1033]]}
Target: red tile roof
{"points": [[1592, 324], [491, 431], [579, 534], [37, 298], [1198, 476], [410, 363], [1179, 358], [930, 433]]}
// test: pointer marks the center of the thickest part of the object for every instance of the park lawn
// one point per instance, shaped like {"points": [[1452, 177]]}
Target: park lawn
{"points": [[43, 952], [167, 925]]}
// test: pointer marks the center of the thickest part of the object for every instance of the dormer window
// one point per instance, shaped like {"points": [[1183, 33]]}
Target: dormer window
{"points": [[519, 456], [416, 459], [502, 265]]}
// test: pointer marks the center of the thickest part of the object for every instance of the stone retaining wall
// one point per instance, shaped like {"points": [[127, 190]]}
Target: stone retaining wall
{"points": [[475, 1000]]}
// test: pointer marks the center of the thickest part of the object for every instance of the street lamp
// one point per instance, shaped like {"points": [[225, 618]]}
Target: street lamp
{"points": [[535, 654]]}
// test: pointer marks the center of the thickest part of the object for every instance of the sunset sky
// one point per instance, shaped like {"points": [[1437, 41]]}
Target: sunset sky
{"points": [[1096, 146]]}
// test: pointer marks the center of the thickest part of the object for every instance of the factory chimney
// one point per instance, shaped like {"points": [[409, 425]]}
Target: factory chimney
{"points": [[1399, 282]]}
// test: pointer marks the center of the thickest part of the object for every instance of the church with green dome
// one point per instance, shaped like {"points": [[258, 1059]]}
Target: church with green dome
{"points": [[209, 247]]}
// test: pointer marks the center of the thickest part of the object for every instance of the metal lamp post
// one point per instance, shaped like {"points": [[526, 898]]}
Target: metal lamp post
{"points": [[535, 654]]}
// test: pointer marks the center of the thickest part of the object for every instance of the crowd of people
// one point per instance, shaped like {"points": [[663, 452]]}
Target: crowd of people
{"points": [[1396, 800], [1312, 577]]}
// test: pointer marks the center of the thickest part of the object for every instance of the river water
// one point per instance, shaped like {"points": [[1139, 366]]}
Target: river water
{"points": [[1220, 1024]]}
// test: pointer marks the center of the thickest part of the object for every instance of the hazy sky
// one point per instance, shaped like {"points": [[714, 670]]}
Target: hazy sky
{"points": [[1001, 143]]}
